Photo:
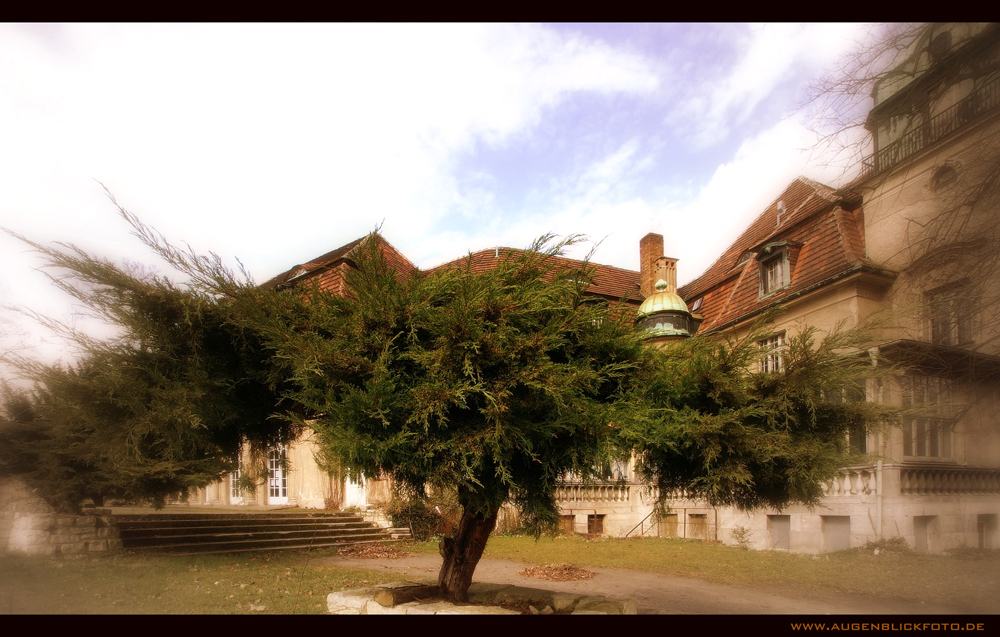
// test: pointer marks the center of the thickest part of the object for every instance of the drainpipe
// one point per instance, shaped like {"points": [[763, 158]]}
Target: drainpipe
{"points": [[878, 494], [880, 440]]}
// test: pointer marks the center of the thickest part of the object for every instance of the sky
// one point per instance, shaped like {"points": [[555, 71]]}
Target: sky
{"points": [[275, 143]]}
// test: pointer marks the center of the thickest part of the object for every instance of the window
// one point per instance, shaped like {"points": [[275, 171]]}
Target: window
{"points": [[772, 275], [927, 431], [774, 267], [277, 475], [780, 527], [836, 532], [595, 524], [857, 436], [944, 177], [950, 315], [773, 348]]}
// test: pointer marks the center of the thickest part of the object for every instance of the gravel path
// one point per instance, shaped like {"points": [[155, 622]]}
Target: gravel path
{"points": [[664, 594]]}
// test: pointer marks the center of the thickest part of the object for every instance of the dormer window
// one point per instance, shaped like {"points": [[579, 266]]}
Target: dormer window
{"points": [[774, 270]]}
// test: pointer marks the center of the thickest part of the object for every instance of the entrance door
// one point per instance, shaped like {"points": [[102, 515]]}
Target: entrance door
{"points": [[277, 479], [235, 489]]}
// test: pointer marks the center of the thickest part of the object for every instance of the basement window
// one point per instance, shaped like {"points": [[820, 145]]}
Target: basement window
{"points": [[595, 524]]}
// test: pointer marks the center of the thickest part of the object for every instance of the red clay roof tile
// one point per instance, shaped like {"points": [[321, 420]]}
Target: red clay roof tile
{"points": [[824, 241]]}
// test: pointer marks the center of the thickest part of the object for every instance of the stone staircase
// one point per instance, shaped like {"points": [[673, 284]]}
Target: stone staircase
{"points": [[191, 533]]}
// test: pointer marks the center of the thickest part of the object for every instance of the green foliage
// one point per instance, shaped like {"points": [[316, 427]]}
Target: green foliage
{"points": [[706, 425], [742, 536], [888, 545], [425, 515], [159, 408], [495, 383]]}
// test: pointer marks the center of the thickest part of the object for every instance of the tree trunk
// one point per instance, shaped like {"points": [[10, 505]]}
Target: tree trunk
{"points": [[462, 553]]}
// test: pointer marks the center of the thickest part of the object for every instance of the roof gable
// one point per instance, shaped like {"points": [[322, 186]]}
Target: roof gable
{"points": [[817, 238], [328, 269]]}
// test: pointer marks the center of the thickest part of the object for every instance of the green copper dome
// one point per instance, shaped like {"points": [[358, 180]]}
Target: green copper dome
{"points": [[662, 301]]}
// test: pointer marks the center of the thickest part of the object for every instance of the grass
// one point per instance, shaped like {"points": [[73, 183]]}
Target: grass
{"points": [[279, 582], [969, 578], [292, 582]]}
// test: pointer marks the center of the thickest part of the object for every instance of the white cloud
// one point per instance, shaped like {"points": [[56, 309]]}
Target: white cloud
{"points": [[271, 142], [768, 56]]}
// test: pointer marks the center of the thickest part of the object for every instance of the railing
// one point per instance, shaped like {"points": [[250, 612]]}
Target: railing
{"points": [[948, 481], [653, 525], [580, 492], [851, 481], [984, 98]]}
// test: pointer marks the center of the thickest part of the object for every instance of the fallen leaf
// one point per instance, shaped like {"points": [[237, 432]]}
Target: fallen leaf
{"points": [[557, 572]]}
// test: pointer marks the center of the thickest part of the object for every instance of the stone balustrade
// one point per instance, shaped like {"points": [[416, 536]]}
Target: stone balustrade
{"points": [[568, 492], [948, 481], [851, 481]]}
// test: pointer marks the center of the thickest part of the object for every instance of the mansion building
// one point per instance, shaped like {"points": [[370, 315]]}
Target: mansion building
{"points": [[914, 239]]}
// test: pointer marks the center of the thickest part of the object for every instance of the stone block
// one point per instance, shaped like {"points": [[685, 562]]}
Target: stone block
{"points": [[602, 605], [40, 549], [115, 545], [65, 520], [85, 521], [450, 609], [350, 602], [520, 594], [372, 607], [36, 522], [564, 601], [482, 593], [70, 548], [97, 545]]}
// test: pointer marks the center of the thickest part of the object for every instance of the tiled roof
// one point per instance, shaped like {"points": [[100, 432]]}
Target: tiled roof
{"points": [[330, 269], [824, 240], [609, 282]]}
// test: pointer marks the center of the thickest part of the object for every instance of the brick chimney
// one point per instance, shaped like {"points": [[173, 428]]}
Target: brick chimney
{"points": [[653, 266], [650, 250]]}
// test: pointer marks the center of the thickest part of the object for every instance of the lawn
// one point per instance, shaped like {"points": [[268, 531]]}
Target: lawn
{"points": [[970, 577], [293, 583], [276, 582]]}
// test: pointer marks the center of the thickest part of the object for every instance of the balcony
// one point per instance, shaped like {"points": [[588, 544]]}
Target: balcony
{"points": [[948, 481], [574, 492], [983, 99], [851, 481]]}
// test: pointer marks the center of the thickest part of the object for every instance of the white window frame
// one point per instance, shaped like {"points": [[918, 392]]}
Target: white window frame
{"points": [[772, 353], [277, 475], [928, 432], [774, 270]]}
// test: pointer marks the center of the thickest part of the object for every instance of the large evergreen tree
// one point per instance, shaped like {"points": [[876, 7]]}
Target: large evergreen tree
{"points": [[161, 407], [493, 383]]}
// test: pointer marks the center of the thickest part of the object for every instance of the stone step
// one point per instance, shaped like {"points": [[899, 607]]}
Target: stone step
{"points": [[248, 546], [235, 534], [190, 533], [187, 527]]}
